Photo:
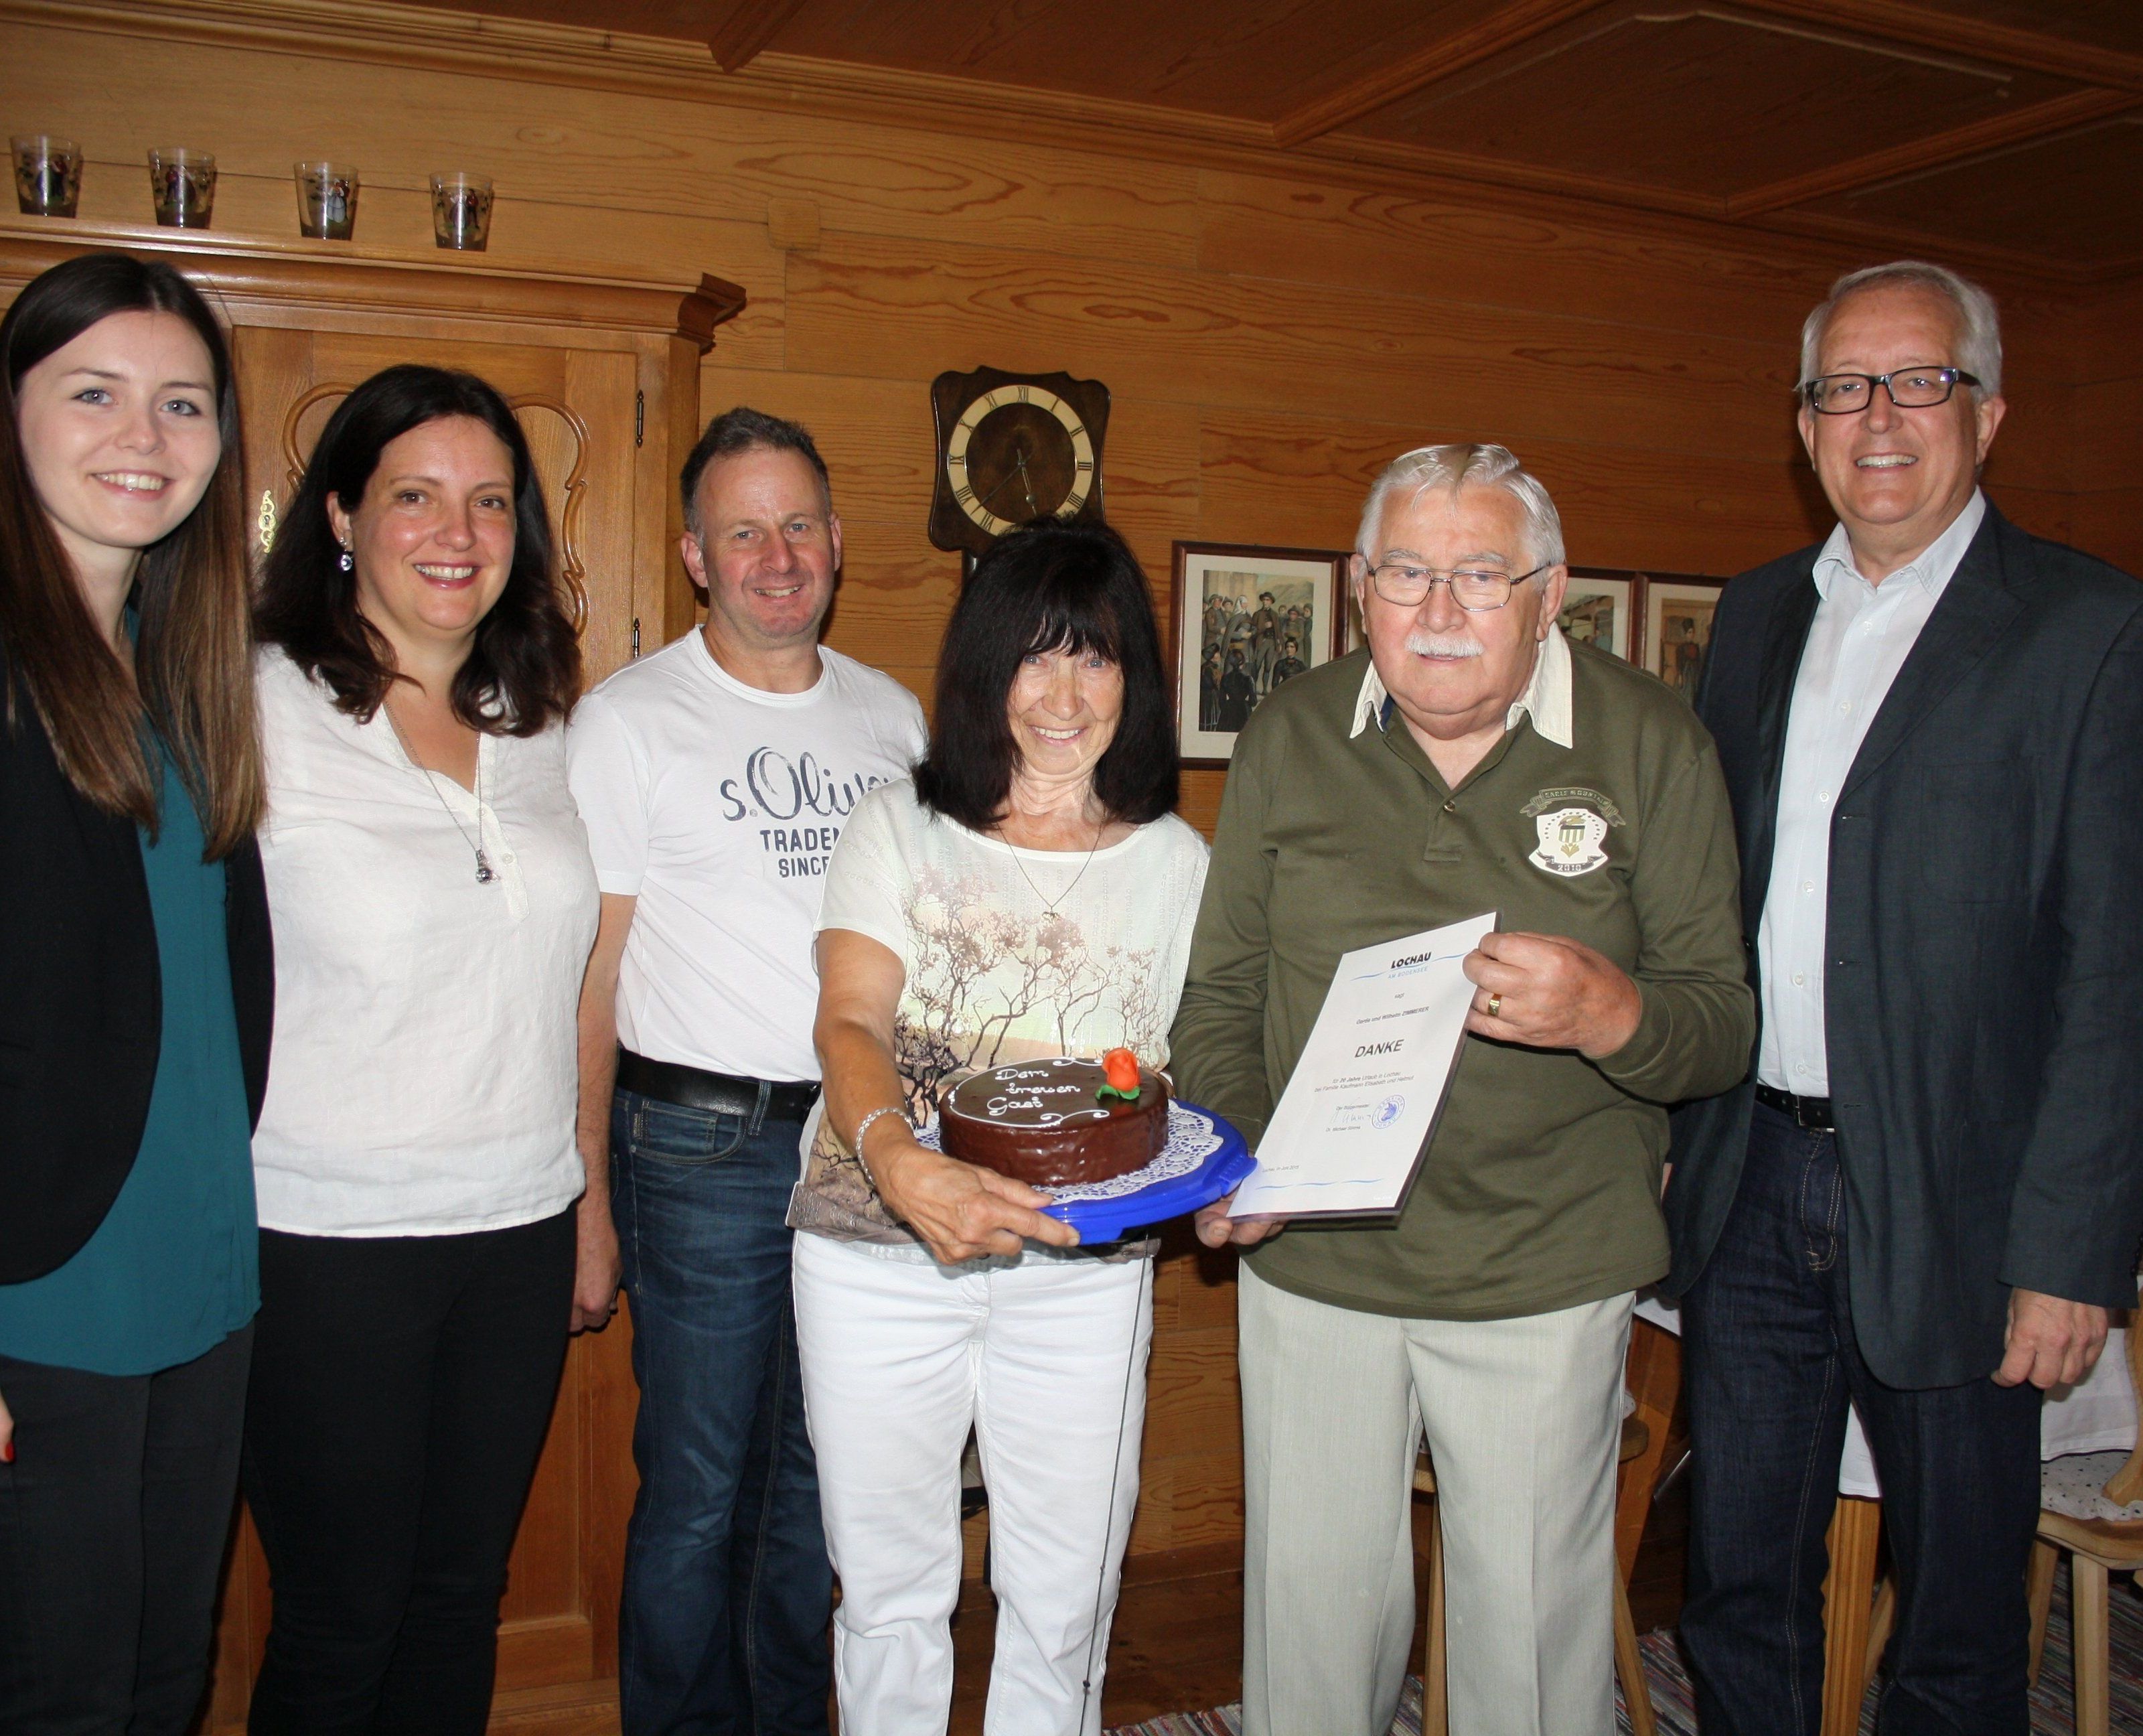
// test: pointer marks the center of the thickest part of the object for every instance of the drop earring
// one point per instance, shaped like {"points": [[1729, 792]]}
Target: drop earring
{"points": [[349, 561]]}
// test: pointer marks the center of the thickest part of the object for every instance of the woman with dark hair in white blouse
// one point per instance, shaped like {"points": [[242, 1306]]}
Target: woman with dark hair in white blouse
{"points": [[415, 1160]]}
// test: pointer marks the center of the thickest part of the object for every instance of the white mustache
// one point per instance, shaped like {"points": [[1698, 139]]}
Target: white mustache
{"points": [[1443, 645]]}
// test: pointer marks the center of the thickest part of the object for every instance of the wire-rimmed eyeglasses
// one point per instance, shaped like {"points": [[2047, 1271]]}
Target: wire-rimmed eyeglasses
{"points": [[1474, 589], [1910, 388]]}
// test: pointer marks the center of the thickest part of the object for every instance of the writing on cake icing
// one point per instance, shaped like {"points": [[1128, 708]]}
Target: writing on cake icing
{"points": [[1022, 1093]]}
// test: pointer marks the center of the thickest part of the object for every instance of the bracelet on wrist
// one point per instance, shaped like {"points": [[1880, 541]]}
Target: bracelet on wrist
{"points": [[863, 1126]]}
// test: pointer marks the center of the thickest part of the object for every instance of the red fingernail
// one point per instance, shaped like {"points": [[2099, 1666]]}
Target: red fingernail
{"points": [[8, 1454]]}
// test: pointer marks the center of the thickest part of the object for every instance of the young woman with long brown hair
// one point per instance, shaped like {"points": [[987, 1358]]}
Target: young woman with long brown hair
{"points": [[135, 1024]]}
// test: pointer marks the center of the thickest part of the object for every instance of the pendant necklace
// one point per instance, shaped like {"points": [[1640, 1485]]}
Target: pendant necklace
{"points": [[484, 873], [1049, 905]]}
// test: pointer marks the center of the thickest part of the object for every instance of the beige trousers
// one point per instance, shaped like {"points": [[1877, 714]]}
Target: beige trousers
{"points": [[1523, 1420]]}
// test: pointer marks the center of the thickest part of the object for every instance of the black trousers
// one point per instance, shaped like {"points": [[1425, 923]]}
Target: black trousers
{"points": [[113, 1518], [401, 1386], [1771, 1366]]}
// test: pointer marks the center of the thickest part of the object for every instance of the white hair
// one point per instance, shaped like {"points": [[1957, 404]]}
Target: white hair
{"points": [[1978, 324], [1462, 466]]}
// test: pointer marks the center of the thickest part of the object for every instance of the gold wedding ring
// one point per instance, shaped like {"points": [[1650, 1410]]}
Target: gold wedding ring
{"points": [[1495, 1005]]}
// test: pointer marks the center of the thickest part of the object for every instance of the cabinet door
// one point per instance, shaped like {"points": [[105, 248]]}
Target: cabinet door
{"points": [[560, 1627]]}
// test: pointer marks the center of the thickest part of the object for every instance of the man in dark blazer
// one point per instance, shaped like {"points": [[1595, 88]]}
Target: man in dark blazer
{"points": [[1928, 1192]]}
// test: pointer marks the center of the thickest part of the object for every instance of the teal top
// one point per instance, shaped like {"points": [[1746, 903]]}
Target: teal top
{"points": [[175, 1268]]}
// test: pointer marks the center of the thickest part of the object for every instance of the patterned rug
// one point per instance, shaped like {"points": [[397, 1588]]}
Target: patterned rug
{"points": [[2053, 1699]]}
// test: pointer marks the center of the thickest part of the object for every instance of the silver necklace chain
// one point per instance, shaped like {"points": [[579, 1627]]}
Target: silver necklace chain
{"points": [[1049, 905], [484, 873]]}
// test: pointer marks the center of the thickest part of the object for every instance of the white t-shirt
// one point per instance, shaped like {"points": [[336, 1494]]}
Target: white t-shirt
{"points": [[716, 805], [425, 1066], [989, 978]]}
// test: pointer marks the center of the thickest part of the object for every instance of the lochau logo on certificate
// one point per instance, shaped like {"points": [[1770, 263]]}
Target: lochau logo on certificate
{"points": [[1362, 1104]]}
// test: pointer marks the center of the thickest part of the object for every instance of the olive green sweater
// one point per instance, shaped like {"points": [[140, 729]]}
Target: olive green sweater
{"points": [[1540, 1183]]}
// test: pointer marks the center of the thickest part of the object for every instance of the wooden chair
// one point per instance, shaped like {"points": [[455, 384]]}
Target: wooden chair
{"points": [[2092, 1505], [1629, 1661]]}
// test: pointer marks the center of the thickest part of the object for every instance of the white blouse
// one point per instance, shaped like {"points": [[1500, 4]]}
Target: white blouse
{"points": [[425, 1072]]}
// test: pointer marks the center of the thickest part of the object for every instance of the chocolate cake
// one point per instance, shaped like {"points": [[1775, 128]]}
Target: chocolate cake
{"points": [[1044, 1123]]}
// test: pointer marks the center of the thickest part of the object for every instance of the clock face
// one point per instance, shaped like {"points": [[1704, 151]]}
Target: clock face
{"points": [[1018, 452]]}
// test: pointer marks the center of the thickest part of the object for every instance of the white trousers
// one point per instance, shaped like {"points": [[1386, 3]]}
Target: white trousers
{"points": [[1045, 1359], [1523, 1419]]}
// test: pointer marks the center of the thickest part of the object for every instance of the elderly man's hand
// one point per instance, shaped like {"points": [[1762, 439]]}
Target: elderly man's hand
{"points": [[961, 1210], [1549, 992], [2049, 1342], [1216, 1228]]}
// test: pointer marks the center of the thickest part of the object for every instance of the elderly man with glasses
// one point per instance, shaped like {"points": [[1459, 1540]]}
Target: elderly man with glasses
{"points": [[1470, 759], [1926, 1195]]}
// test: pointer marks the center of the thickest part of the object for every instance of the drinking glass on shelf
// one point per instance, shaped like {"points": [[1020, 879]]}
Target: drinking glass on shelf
{"points": [[461, 211], [182, 183], [327, 200], [47, 175]]}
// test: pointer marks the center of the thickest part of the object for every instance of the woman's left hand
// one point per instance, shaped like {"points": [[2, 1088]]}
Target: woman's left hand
{"points": [[595, 1264]]}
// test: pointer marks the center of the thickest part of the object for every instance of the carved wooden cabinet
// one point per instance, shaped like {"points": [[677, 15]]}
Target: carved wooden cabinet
{"points": [[603, 373]]}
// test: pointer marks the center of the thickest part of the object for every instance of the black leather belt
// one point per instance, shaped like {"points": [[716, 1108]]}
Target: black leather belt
{"points": [[718, 1094], [1811, 1114]]}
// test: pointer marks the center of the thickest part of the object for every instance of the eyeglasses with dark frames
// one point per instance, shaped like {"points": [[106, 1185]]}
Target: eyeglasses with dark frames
{"points": [[1910, 388], [1475, 590]]}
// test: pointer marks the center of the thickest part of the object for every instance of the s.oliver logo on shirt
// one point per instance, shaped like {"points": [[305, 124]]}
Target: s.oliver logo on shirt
{"points": [[777, 788]]}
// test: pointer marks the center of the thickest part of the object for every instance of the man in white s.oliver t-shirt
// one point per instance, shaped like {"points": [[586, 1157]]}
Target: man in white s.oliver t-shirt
{"points": [[713, 776]]}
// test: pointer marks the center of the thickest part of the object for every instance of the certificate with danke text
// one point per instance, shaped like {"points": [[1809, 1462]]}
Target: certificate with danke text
{"points": [[1359, 1109]]}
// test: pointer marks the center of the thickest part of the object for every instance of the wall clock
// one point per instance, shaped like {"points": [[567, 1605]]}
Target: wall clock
{"points": [[1012, 446]]}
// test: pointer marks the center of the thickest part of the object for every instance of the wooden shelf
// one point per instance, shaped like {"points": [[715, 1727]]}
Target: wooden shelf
{"points": [[347, 277]]}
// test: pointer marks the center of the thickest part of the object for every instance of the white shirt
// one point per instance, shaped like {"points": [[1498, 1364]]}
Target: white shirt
{"points": [[425, 1071], [988, 976], [1547, 696], [1859, 640], [716, 805]]}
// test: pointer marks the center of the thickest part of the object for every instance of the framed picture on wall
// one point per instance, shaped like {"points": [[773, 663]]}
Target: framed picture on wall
{"points": [[1242, 619], [1600, 607], [1678, 611]]}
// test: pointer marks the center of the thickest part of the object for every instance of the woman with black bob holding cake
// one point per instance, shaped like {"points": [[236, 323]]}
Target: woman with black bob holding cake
{"points": [[435, 905], [1028, 893], [134, 1028]]}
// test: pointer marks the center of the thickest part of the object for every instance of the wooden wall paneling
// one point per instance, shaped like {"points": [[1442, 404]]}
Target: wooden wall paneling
{"points": [[1275, 478], [2108, 522], [596, 149], [1200, 801], [2107, 421], [1250, 344], [1506, 254]]}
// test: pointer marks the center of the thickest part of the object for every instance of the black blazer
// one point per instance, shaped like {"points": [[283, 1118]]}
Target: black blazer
{"points": [[1983, 991], [81, 1000]]}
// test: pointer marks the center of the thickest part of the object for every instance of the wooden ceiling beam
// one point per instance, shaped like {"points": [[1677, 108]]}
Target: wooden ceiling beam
{"points": [[751, 27], [1514, 22], [2059, 114], [1944, 33]]}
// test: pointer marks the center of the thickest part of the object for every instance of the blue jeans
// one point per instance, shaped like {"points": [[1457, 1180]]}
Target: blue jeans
{"points": [[1771, 1366], [727, 1586]]}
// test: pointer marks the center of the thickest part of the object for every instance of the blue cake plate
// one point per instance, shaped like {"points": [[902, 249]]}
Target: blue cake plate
{"points": [[1205, 1160]]}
